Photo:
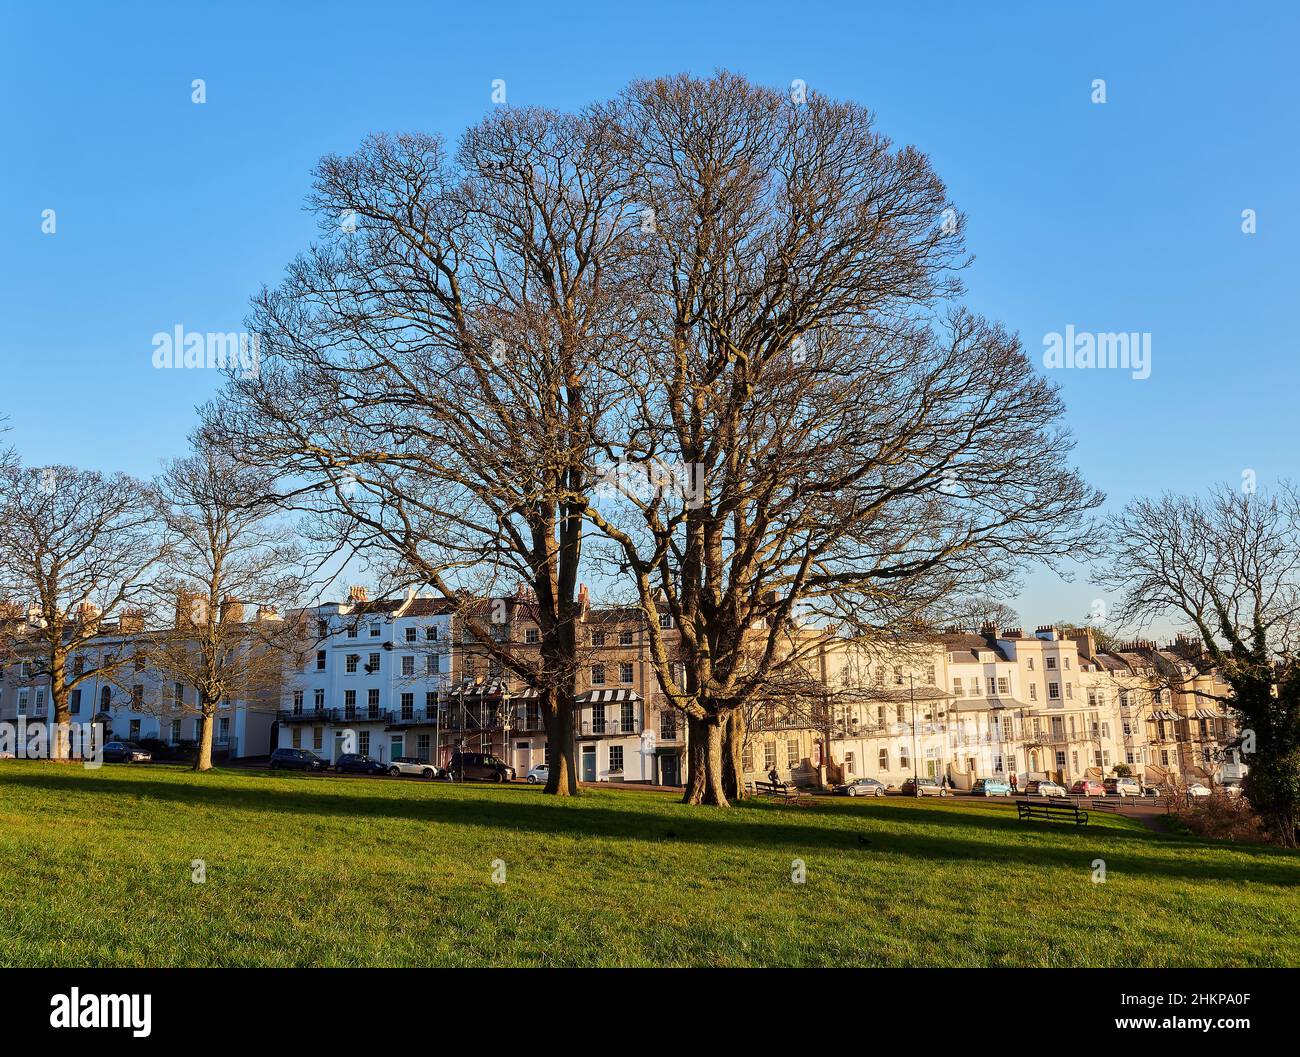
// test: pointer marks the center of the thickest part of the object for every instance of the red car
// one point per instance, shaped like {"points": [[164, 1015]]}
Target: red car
{"points": [[1087, 787]]}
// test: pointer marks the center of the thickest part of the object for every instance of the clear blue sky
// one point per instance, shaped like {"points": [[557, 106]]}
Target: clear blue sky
{"points": [[1117, 217]]}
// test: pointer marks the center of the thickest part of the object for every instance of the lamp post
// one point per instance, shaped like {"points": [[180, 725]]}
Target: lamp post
{"points": [[911, 689], [505, 727]]}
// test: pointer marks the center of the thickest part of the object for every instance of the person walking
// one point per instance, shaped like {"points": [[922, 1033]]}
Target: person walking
{"points": [[1013, 781]]}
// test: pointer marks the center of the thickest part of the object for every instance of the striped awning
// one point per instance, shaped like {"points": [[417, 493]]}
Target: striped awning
{"points": [[1205, 713], [605, 697], [493, 690], [1167, 716]]}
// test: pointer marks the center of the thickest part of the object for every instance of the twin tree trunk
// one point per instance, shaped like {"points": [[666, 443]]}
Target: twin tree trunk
{"points": [[714, 772], [557, 715]]}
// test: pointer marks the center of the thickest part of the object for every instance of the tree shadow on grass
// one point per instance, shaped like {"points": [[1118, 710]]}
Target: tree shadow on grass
{"points": [[749, 825]]}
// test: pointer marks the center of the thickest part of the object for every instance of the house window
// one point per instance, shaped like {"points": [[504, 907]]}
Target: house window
{"points": [[598, 719], [625, 672], [431, 635], [350, 665], [1004, 684], [74, 702], [1060, 759], [430, 702], [297, 702], [1069, 690], [431, 664], [408, 706], [625, 638], [616, 759], [747, 758], [1074, 760], [598, 638], [628, 717], [422, 743], [597, 675], [769, 755], [363, 742], [848, 763], [175, 731], [899, 713], [223, 729], [1051, 664], [993, 687], [956, 687], [792, 752], [1011, 763], [373, 663], [997, 763], [137, 697], [665, 620], [668, 728], [930, 676], [1065, 661], [904, 759], [1031, 663], [372, 702], [411, 634], [408, 665], [296, 739], [350, 702], [318, 699], [1053, 691], [320, 660], [898, 676], [531, 636], [22, 701], [1033, 691], [883, 759], [374, 630]]}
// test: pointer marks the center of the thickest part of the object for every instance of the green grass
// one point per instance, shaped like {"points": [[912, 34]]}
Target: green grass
{"points": [[95, 870]]}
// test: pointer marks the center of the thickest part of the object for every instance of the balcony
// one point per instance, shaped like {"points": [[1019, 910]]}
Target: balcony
{"points": [[608, 728]]}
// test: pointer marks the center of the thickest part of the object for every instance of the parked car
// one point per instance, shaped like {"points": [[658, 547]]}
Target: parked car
{"points": [[413, 765], [990, 787], [1087, 787], [1043, 787], [539, 774], [1122, 787], [1232, 789], [125, 752], [467, 766], [861, 787], [358, 763], [1154, 790], [297, 760], [1196, 789], [924, 787]]}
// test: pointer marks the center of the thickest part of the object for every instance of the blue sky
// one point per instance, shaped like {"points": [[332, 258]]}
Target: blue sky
{"points": [[1124, 216]]}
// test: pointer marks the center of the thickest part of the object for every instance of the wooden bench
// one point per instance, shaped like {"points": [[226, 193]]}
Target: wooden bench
{"points": [[787, 794], [1048, 811]]}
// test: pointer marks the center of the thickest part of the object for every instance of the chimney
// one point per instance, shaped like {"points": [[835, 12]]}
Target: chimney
{"points": [[268, 613], [131, 621], [990, 630], [584, 601], [232, 610], [357, 593], [1086, 638], [1046, 631], [87, 613], [1013, 633], [191, 608]]}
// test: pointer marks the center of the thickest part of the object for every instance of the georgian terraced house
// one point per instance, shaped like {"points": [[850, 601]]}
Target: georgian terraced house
{"points": [[404, 677], [966, 706]]}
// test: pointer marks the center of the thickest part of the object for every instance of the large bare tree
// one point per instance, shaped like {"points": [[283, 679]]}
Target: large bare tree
{"points": [[432, 372], [227, 583], [1226, 567], [77, 549], [842, 448]]}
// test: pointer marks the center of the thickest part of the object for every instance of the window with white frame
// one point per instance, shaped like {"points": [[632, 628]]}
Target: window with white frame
{"points": [[882, 758], [318, 699], [408, 665], [625, 672], [616, 759], [1053, 691], [597, 675], [769, 755], [532, 636], [625, 638], [956, 687], [351, 662], [792, 752], [411, 634]]}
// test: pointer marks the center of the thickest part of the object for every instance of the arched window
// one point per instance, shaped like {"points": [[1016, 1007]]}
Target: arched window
{"points": [[105, 698]]}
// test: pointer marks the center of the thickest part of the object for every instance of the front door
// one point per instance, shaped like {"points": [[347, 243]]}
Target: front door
{"points": [[589, 763], [396, 746], [668, 769], [523, 758]]}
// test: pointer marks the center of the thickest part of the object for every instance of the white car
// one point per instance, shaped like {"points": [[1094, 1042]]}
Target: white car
{"points": [[1196, 789], [538, 774], [413, 765]]}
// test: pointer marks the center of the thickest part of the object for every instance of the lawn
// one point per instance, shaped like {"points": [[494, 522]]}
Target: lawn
{"points": [[95, 869]]}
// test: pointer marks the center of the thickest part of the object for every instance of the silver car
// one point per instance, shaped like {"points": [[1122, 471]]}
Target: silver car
{"points": [[412, 765]]}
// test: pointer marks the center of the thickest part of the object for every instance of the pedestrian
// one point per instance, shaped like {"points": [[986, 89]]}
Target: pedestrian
{"points": [[1013, 781]]}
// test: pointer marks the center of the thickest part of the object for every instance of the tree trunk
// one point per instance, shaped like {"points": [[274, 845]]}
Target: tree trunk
{"points": [[733, 768], [705, 782], [203, 759], [557, 712], [60, 715]]}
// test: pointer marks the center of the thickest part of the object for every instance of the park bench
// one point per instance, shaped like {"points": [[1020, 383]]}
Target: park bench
{"points": [[787, 794], [1048, 811]]}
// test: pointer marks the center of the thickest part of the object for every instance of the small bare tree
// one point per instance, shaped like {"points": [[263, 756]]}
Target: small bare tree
{"points": [[226, 584], [77, 547], [1227, 567]]}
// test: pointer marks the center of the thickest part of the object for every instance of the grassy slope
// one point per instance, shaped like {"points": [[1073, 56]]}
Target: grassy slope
{"points": [[95, 869]]}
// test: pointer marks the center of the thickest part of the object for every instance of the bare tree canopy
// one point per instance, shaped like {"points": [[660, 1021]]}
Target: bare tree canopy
{"points": [[859, 449], [77, 549], [432, 371], [224, 588], [1226, 566]]}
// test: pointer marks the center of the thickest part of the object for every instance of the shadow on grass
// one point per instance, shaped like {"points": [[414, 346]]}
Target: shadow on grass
{"points": [[754, 825]]}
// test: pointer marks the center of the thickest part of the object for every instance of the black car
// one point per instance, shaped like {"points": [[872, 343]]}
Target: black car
{"points": [[125, 752], [466, 766], [297, 760], [358, 763]]}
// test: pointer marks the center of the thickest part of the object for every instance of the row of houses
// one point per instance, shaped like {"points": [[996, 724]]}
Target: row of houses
{"points": [[405, 677]]}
